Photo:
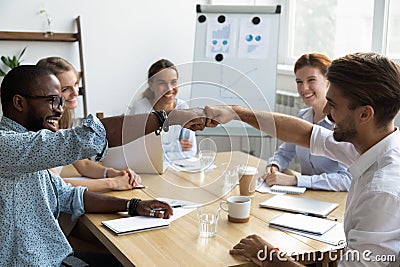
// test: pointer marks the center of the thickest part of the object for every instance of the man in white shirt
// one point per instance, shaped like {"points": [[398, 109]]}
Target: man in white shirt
{"points": [[363, 100]]}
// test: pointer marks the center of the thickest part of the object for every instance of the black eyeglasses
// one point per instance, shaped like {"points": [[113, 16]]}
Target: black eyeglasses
{"points": [[56, 101]]}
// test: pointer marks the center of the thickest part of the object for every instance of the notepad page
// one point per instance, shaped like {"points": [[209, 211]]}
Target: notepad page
{"points": [[334, 236], [142, 223], [135, 224], [303, 223], [288, 189]]}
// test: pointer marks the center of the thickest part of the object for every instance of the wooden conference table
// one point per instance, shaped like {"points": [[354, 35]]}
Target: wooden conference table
{"points": [[181, 245]]}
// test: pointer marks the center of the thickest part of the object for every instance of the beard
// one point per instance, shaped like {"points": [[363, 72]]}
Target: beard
{"points": [[346, 131], [36, 124]]}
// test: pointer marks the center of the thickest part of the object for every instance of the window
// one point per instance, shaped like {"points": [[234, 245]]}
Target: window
{"points": [[331, 27], [393, 39], [334, 27]]}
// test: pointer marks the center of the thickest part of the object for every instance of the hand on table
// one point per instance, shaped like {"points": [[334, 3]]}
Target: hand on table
{"points": [[252, 247], [273, 176], [154, 208], [124, 179], [262, 253], [186, 144], [135, 178]]}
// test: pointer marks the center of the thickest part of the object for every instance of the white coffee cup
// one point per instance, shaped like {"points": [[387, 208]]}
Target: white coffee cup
{"points": [[247, 180], [238, 208]]}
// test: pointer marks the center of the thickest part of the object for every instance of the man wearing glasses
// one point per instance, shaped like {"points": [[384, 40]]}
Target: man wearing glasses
{"points": [[32, 197]]}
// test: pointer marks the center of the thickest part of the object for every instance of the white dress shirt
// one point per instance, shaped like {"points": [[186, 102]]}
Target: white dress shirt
{"points": [[372, 217], [316, 172]]}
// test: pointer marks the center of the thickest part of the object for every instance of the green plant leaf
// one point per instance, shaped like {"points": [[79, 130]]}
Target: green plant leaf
{"points": [[5, 60], [2, 73], [21, 54], [13, 62]]}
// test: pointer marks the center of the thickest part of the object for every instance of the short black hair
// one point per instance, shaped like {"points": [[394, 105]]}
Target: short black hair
{"points": [[21, 80]]}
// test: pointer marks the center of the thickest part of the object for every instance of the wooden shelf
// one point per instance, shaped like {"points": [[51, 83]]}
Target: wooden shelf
{"points": [[55, 37], [38, 36]]}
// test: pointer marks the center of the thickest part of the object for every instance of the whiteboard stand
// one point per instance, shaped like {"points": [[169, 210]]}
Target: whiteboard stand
{"points": [[235, 60]]}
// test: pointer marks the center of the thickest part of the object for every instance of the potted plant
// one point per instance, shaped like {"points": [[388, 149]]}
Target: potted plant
{"points": [[11, 62]]}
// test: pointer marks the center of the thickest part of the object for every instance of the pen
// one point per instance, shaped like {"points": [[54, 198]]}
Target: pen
{"points": [[139, 187], [162, 209], [185, 166], [320, 216]]}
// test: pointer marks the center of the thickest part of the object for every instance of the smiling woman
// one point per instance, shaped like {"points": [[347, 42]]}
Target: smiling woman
{"points": [[316, 172], [69, 80], [178, 142]]}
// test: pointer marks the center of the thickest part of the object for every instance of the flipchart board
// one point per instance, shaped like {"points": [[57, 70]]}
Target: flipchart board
{"points": [[235, 56]]}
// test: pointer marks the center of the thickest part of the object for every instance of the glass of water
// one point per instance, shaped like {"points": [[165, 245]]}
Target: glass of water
{"points": [[208, 220]]}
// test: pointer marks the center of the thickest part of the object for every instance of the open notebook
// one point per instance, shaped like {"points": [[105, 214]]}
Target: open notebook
{"points": [[135, 224], [129, 225]]}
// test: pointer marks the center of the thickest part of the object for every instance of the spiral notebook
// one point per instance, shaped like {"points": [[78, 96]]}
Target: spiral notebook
{"points": [[288, 189]]}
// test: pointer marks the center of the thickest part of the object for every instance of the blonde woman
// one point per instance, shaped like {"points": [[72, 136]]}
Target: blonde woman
{"points": [[102, 178]]}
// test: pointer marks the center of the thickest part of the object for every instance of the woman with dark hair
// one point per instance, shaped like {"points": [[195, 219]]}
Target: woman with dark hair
{"points": [[316, 172], [161, 94]]}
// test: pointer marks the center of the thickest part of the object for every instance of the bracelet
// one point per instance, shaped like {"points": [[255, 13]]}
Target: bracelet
{"points": [[132, 205], [162, 121], [105, 173]]}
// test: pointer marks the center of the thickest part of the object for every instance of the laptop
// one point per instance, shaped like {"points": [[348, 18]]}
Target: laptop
{"points": [[300, 205], [143, 155]]}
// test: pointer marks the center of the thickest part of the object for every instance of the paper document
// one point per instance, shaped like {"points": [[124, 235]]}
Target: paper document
{"points": [[137, 224], [303, 223], [262, 187], [176, 203], [192, 164], [334, 236]]}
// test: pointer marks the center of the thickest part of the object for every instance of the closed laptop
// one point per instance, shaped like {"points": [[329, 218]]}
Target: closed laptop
{"points": [[299, 205]]}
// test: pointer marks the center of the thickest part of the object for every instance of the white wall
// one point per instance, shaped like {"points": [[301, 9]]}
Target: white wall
{"points": [[121, 40]]}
